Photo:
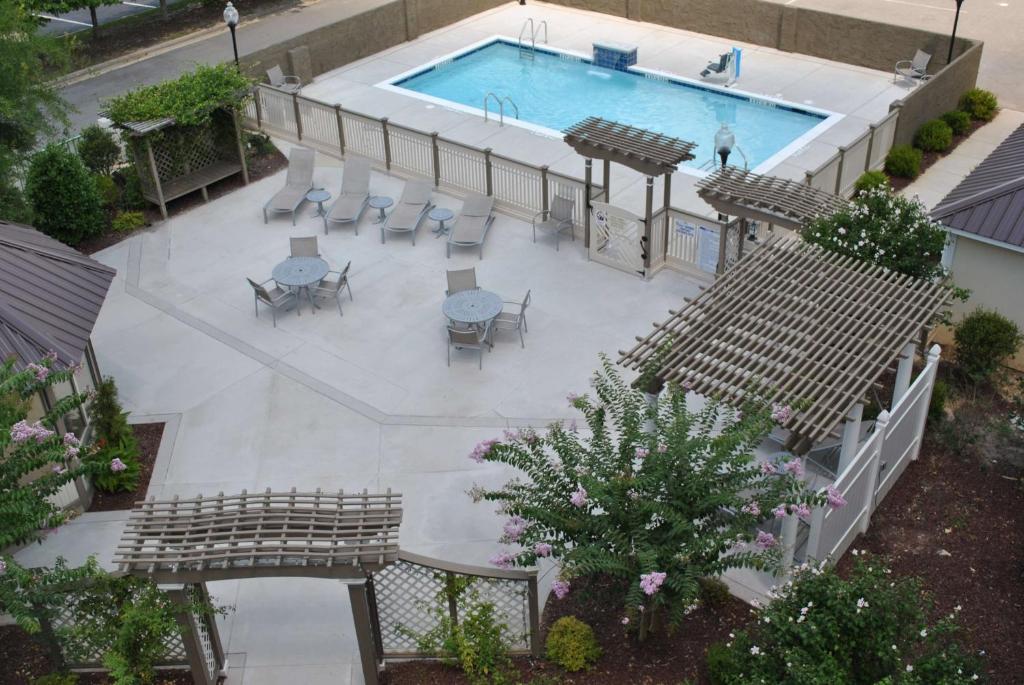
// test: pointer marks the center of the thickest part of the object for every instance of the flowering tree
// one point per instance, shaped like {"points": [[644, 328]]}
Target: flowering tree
{"points": [[657, 496], [885, 229]]}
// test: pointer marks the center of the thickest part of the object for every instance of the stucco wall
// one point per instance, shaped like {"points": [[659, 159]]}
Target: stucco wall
{"points": [[435, 14], [750, 21]]}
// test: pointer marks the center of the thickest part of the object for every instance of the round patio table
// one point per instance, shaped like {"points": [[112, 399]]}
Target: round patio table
{"points": [[301, 272], [319, 196], [472, 306], [380, 203], [440, 215]]}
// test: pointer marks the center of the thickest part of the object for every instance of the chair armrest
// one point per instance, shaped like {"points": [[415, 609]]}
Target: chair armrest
{"points": [[293, 79], [269, 280], [563, 223], [904, 64], [542, 214]]}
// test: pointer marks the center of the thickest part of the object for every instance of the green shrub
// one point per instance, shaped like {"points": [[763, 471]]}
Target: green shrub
{"points": [[13, 205], [934, 136], [114, 440], [937, 406], [126, 222], [720, 661], [64, 199], [258, 144], [903, 161], [109, 192], [98, 150], [571, 644], [984, 338], [131, 193], [870, 180], [714, 593], [958, 120], [190, 99], [980, 104], [56, 679]]}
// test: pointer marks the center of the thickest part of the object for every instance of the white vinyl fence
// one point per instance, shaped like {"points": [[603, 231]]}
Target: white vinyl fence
{"points": [[838, 173]]}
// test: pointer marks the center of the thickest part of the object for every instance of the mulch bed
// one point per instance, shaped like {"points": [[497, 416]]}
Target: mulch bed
{"points": [[664, 659], [148, 436], [24, 659], [930, 158], [259, 167]]}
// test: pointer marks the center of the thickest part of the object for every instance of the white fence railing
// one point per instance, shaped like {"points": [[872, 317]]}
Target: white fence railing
{"points": [[840, 172]]}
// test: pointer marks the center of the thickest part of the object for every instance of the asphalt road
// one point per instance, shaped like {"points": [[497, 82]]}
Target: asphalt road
{"points": [[80, 20]]}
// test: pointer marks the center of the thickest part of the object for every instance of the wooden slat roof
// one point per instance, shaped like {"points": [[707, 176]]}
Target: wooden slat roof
{"points": [[645, 151], [779, 201], [802, 323], [311, 534]]}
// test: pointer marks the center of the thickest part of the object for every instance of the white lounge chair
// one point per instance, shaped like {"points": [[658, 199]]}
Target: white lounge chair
{"points": [[470, 229], [277, 78], [354, 195], [412, 207], [297, 183], [913, 70]]}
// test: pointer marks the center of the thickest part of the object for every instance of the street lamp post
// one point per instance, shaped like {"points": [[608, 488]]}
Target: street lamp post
{"points": [[231, 19], [952, 38]]}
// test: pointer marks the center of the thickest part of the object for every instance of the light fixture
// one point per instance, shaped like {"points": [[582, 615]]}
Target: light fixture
{"points": [[231, 19], [724, 142]]}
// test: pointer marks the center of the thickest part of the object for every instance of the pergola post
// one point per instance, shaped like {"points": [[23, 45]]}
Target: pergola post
{"points": [[605, 174], [648, 228], [364, 631], [240, 146], [740, 239], [851, 437], [904, 370], [588, 182], [723, 247], [193, 628], [156, 178], [668, 219]]}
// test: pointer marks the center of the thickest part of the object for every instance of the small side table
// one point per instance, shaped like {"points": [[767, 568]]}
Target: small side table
{"points": [[319, 196], [380, 203], [440, 215]]}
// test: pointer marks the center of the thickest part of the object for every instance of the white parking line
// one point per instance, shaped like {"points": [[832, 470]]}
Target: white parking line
{"points": [[925, 5], [138, 4], [70, 21]]}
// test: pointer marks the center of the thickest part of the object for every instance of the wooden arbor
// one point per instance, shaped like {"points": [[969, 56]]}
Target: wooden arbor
{"points": [[172, 160], [186, 542], [652, 154], [778, 201]]}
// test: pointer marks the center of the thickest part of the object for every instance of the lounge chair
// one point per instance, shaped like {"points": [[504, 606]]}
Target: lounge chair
{"points": [[277, 78], [304, 247], [410, 211], [461, 279], [470, 229], [719, 68], [275, 298], [514, 320], [472, 339], [297, 183], [354, 195], [332, 286], [913, 70], [556, 219]]}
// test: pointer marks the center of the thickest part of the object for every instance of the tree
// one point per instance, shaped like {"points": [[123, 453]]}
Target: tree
{"points": [[64, 198], [658, 497], [30, 106], [62, 6]]}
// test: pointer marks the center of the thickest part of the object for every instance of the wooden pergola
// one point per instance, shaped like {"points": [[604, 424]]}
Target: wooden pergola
{"points": [[652, 154], [797, 324], [258, 535]]}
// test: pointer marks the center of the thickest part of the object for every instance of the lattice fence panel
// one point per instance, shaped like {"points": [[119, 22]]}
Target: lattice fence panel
{"points": [[185, 152], [201, 625]]}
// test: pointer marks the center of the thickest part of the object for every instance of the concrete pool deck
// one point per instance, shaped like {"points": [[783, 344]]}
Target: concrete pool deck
{"points": [[861, 95]]}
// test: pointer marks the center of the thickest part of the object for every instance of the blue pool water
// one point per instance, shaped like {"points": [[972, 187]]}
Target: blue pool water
{"points": [[556, 91]]}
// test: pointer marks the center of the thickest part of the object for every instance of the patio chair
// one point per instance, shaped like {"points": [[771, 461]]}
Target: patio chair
{"points": [[913, 70], [275, 298], [297, 183], [277, 78], [333, 284], [354, 195], [461, 279], [514, 321], [470, 229], [304, 247], [556, 219], [471, 339], [410, 211], [719, 68]]}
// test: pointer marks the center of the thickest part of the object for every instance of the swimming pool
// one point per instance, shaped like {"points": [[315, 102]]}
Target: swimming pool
{"points": [[557, 89]]}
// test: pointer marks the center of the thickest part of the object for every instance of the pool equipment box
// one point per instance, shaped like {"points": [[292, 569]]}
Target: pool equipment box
{"points": [[612, 55]]}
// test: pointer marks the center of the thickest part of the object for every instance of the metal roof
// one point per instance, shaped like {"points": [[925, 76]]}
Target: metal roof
{"points": [[989, 202], [802, 323], [645, 151], [50, 296], [778, 201]]}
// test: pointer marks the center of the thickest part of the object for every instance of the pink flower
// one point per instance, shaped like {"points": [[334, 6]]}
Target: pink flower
{"points": [[71, 440], [803, 511], [40, 371], [780, 511], [578, 498], [116, 465], [795, 467], [662, 448], [58, 469], [651, 582], [835, 498], [781, 413], [751, 508], [503, 559], [572, 397], [642, 452], [481, 450], [514, 528], [22, 432], [70, 452], [768, 468], [765, 540], [542, 549], [560, 588]]}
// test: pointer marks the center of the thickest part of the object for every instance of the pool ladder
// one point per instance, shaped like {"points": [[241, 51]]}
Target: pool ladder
{"points": [[529, 51], [501, 107], [712, 163]]}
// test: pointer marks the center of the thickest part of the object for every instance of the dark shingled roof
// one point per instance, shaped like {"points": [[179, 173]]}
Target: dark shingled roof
{"points": [[50, 296], [989, 202]]}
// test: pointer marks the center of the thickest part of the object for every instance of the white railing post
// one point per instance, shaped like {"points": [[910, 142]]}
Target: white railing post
{"points": [[790, 526], [851, 437], [868, 506], [931, 368], [814, 534], [903, 373]]}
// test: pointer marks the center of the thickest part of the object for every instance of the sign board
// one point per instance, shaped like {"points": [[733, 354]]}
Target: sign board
{"points": [[685, 228], [707, 249]]}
